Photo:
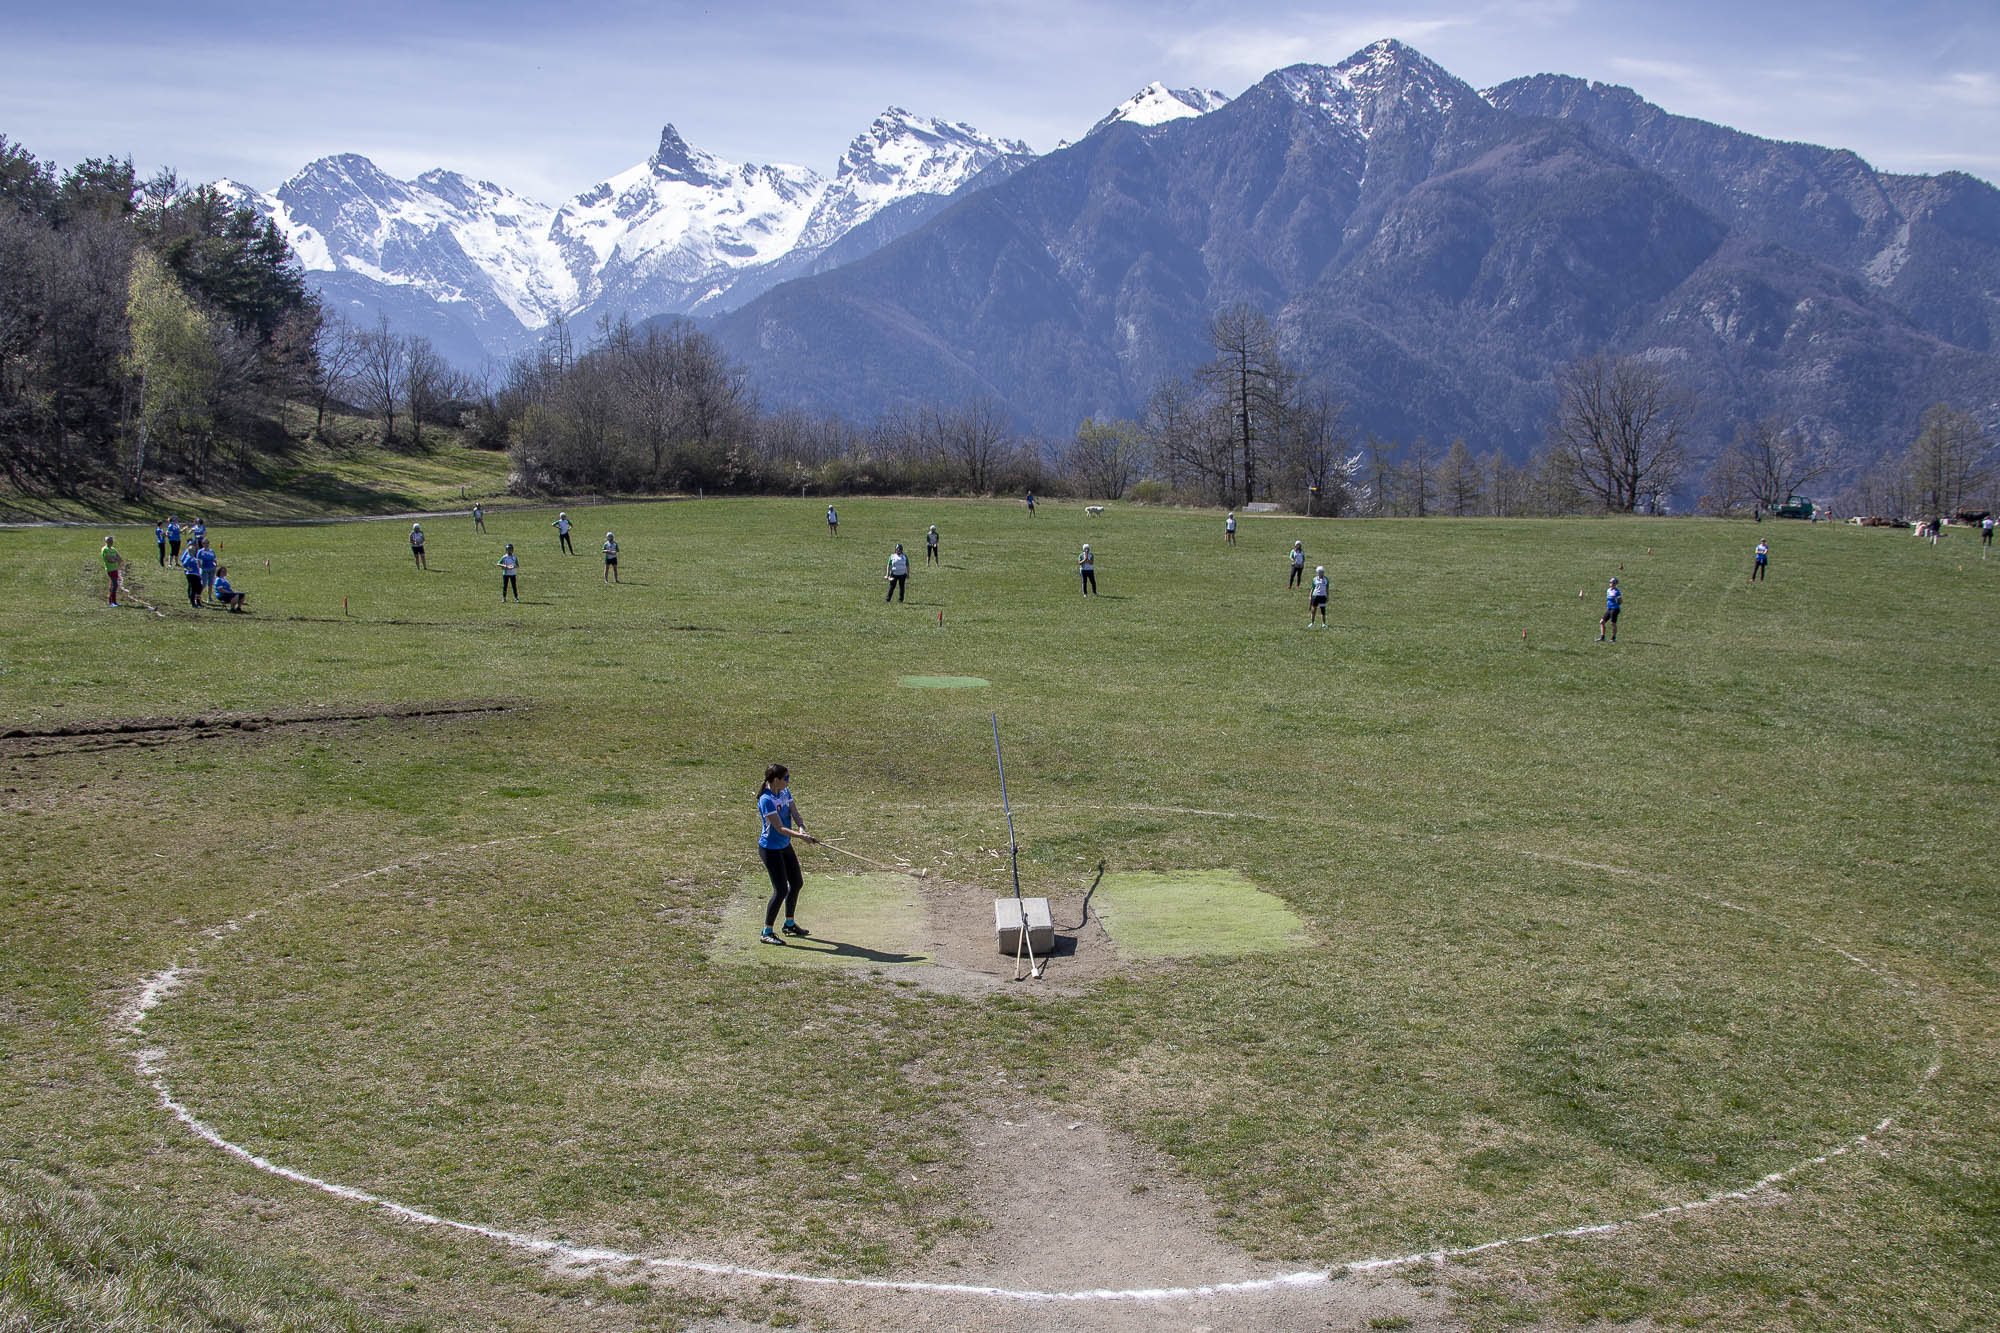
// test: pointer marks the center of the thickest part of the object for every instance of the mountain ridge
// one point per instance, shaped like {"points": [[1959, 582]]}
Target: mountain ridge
{"points": [[482, 270], [1431, 254]]}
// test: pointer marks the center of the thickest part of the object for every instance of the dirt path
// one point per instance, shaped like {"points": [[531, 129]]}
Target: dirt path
{"points": [[1072, 1207]]}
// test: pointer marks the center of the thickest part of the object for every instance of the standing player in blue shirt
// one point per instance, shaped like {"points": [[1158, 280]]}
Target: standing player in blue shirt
{"points": [[160, 536], [1760, 570], [205, 554], [173, 539], [1613, 599], [190, 563], [777, 824]]}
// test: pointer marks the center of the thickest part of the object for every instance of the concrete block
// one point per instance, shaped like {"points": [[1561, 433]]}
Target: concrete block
{"points": [[1008, 915]]}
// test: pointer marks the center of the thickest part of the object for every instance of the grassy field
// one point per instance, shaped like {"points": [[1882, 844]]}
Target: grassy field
{"points": [[1588, 929]]}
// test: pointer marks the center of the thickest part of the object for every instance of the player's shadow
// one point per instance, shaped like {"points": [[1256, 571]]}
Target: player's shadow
{"points": [[840, 949]]}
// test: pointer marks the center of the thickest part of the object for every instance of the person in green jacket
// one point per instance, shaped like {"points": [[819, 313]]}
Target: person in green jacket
{"points": [[112, 564]]}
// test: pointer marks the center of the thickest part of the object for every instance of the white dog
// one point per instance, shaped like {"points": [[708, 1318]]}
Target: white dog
{"points": [[1093, 510]]}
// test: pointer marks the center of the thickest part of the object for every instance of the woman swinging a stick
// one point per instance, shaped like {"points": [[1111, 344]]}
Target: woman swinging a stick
{"points": [[778, 824]]}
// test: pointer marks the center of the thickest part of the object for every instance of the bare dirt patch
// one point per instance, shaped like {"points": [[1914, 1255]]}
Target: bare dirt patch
{"points": [[87, 735], [965, 952]]}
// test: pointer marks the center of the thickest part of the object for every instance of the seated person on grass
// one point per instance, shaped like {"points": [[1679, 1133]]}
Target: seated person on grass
{"points": [[225, 594]]}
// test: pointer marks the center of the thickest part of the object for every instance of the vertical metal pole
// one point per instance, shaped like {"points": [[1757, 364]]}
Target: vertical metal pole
{"points": [[1013, 848]]}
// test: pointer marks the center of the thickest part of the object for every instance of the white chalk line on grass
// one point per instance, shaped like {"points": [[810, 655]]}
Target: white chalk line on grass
{"points": [[149, 1060]]}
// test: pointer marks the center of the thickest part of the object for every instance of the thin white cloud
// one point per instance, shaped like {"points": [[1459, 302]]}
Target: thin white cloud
{"points": [[1971, 87]]}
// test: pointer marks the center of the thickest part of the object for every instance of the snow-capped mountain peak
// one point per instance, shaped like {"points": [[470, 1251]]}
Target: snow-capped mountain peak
{"points": [[674, 160], [676, 232], [898, 156], [1156, 104], [456, 240], [1381, 79]]}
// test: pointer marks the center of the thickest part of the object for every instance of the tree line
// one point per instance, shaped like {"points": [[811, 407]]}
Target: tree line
{"points": [[143, 324], [660, 406]]}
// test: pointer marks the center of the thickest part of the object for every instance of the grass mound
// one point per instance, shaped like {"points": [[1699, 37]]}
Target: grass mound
{"points": [[870, 920], [1195, 913]]}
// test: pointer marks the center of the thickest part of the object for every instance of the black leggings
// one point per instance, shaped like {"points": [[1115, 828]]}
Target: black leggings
{"points": [[897, 583], [508, 581], [194, 591], [1298, 577], [782, 864], [1089, 581], [566, 544]]}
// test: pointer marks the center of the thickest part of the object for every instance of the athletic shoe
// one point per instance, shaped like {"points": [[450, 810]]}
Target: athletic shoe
{"points": [[794, 928], [768, 937], [1600, 638]]}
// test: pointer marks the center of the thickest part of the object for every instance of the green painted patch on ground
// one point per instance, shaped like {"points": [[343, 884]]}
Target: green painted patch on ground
{"points": [[872, 920], [944, 682], [1195, 913]]}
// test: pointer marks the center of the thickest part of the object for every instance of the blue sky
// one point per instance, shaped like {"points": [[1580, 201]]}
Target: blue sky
{"points": [[548, 101]]}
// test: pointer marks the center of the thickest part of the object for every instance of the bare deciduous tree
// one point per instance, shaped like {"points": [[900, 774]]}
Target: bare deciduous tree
{"points": [[427, 383], [1420, 478], [1506, 486], [1184, 430], [1946, 462], [1105, 457], [1319, 454], [379, 374], [1618, 427], [1764, 466], [978, 437], [1459, 481], [1249, 378]]}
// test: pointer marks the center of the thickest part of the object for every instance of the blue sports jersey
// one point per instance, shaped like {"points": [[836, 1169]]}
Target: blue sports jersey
{"points": [[206, 558], [1612, 597], [781, 803], [191, 563]]}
